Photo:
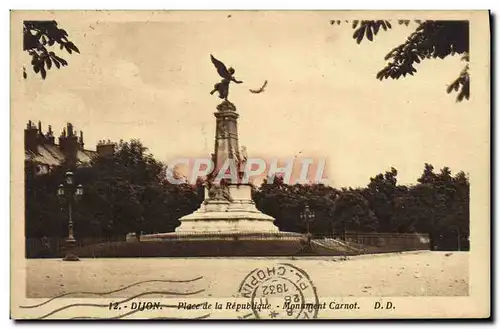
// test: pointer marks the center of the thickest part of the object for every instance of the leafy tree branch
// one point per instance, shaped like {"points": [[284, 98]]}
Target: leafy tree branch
{"points": [[430, 40], [39, 40]]}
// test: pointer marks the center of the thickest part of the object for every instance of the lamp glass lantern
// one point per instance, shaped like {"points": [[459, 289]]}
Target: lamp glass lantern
{"points": [[79, 190], [60, 190], [69, 178]]}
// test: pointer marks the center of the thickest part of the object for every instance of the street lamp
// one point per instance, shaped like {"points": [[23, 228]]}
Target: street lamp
{"points": [[69, 193], [307, 216]]}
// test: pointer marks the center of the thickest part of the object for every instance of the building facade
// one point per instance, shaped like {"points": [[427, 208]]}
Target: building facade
{"points": [[41, 149]]}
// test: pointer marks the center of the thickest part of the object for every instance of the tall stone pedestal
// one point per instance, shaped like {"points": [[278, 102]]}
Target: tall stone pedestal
{"points": [[230, 208], [228, 211]]}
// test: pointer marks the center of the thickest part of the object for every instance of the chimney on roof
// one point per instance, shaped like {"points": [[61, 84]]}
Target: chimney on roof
{"points": [[68, 144], [105, 148], [49, 136], [70, 129], [81, 140], [30, 137]]}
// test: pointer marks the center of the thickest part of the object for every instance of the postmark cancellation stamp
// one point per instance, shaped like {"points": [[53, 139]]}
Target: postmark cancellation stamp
{"points": [[281, 291]]}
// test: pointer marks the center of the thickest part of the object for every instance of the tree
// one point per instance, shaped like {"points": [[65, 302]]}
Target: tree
{"points": [[405, 211], [43, 215], [430, 39], [281, 201], [442, 201], [286, 202], [461, 210], [352, 213], [37, 37], [381, 195], [126, 190]]}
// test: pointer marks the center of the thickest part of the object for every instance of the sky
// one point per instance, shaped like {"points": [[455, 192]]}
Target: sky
{"points": [[148, 76]]}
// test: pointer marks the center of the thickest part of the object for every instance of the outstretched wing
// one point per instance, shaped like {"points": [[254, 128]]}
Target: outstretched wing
{"points": [[258, 91], [221, 68]]}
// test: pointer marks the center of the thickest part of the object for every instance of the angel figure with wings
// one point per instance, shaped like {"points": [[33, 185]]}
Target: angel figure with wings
{"points": [[227, 76]]}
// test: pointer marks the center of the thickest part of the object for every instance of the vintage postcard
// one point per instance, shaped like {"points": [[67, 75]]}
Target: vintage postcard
{"points": [[250, 165]]}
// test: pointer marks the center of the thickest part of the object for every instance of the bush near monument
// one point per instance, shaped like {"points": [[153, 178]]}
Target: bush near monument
{"points": [[128, 192]]}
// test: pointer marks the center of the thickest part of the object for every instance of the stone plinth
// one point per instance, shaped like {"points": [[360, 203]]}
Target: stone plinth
{"points": [[237, 215], [223, 236]]}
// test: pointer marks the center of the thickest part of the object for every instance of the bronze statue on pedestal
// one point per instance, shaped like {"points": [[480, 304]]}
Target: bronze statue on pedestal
{"points": [[227, 76]]}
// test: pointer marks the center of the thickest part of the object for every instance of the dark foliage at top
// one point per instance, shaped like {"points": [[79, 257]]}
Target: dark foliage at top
{"points": [[430, 40], [39, 37]]}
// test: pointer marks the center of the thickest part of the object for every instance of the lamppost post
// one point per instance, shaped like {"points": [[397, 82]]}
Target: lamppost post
{"points": [[307, 216], [68, 193]]}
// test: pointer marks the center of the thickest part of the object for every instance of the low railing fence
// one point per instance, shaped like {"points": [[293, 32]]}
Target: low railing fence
{"points": [[354, 242]]}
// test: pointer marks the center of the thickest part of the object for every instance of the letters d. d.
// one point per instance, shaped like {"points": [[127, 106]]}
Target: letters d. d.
{"points": [[387, 306]]}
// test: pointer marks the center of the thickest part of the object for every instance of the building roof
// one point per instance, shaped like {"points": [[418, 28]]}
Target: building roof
{"points": [[51, 155]]}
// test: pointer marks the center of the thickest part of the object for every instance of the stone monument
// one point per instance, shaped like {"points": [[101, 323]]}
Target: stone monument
{"points": [[228, 205], [228, 211]]}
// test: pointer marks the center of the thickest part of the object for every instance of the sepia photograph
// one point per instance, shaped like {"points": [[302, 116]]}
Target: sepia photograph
{"points": [[275, 165]]}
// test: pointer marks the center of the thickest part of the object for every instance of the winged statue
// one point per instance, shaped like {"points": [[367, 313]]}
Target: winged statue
{"points": [[227, 76]]}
